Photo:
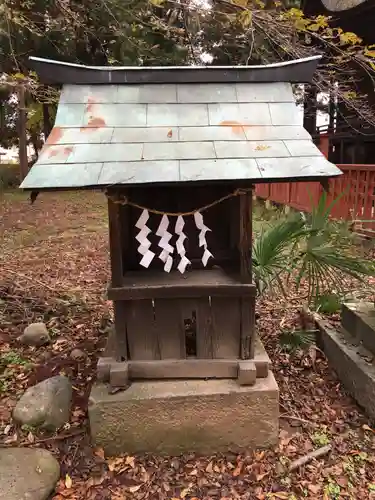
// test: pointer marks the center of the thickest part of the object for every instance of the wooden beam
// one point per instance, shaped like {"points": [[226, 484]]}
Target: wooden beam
{"points": [[191, 368], [197, 283], [184, 368], [247, 304]]}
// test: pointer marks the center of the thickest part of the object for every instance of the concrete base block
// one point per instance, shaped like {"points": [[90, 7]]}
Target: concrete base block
{"points": [[350, 363], [172, 417], [358, 319]]}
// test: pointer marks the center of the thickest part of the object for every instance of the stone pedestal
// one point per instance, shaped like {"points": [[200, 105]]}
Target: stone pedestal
{"points": [[351, 352], [172, 417]]}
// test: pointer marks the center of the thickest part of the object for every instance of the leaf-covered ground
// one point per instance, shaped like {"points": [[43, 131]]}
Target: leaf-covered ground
{"points": [[54, 267]]}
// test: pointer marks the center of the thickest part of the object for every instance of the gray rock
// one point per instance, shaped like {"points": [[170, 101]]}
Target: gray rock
{"points": [[35, 334], [45, 405], [27, 473], [78, 355]]}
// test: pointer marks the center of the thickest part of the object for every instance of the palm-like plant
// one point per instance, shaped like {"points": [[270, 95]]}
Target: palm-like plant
{"points": [[307, 248]]}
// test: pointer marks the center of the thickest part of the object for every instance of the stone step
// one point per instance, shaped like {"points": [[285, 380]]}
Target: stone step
{"points": [[353, 363], [358, 319]]}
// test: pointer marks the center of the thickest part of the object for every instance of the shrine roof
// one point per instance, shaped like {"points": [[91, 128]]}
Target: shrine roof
{"points": [[229, 125]]}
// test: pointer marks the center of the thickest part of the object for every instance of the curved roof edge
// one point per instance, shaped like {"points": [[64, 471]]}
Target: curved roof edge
{"points": [[58, 72]]}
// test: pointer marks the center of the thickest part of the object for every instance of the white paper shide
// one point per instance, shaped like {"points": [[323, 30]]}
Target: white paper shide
{"points": [[167, 249], [165, 236], [198, 218], [144, 242], [180, 247]]}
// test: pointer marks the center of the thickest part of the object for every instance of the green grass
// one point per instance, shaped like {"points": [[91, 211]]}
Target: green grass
{"points": [[54, 215]]}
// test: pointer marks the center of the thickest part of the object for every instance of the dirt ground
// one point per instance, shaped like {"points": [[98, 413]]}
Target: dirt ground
{"points": [[54, 268]]}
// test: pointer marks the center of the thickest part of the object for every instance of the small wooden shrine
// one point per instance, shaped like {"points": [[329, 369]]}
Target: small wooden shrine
{"points": [[177, 152]]}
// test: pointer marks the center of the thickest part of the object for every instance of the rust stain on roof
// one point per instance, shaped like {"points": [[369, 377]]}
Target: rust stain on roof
{"points": [[67, 150], [237, 127], [55, 135], [90, 104], [52, 152], [96, 122]]}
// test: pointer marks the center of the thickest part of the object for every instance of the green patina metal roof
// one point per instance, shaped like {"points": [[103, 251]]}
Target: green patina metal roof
{"points": [[142, 133]]}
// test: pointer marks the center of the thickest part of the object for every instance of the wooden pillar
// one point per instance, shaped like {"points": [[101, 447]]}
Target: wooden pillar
{"points": [[248, 303], [115, 243], [117, 273], [246, 218]]}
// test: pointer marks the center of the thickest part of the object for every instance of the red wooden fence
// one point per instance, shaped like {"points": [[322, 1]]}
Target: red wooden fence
{"points": [[357, 203]]}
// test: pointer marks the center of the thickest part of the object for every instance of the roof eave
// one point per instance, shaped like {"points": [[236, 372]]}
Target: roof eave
{"points": [[56, 72]]}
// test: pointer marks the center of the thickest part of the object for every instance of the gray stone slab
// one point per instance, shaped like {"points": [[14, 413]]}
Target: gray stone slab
{"points": [[70, 115], [187, 416], [358, 319], [210, 92], [276, 133], [211, 133], [213, 170], [92, 153], [354, 371], [139, 172], [85, 135], [178, 151], [145, 94], [250, 149], [62, 175], [283, 113], [147, 134], [239, 114], [302, 148], [265, 92], [281, 168], [115, 115], [169, 115]]}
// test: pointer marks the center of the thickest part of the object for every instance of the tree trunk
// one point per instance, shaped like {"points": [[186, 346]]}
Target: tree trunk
{"points": [[22, 133]]}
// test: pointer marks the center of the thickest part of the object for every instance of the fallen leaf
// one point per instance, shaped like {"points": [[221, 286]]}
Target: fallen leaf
{"points": [[237, 470], [280, 494], [113, 463], [30, 437], [99, 452], [95, 481], [314, 488], [184, 492], [133, 489], [68, 481], [209, 468], [365, 427], [259, 477], [7, 429], [130, 461]]}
